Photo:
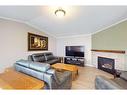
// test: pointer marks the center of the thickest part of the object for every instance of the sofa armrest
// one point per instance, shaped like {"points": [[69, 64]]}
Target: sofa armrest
{"points": [[102, 82], [57, 57], [30, 58]]}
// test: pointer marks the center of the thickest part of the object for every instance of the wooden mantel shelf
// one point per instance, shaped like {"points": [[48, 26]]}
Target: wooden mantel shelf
{"points": [[110, 51]]}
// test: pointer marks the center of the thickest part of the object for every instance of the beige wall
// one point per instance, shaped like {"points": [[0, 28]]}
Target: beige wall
{"points": [[13, 42], [113, 38]]}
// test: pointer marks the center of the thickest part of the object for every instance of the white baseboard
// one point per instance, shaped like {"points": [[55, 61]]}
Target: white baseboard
{"points": [[89, 65]]}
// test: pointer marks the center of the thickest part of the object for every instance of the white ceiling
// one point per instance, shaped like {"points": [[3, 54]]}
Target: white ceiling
{"points": [[78, 20]]}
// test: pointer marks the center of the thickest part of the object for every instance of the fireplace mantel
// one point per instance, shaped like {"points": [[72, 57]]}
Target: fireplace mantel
{"points": [[110, 51], [118, 57]]}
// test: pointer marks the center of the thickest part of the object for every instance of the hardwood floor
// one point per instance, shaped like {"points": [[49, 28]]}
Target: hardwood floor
{"points": [[86, 78]]}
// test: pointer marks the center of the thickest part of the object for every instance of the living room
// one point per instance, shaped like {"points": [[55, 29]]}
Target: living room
{"points": [[86, 47]]}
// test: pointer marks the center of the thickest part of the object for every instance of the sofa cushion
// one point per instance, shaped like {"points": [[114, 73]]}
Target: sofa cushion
{"points": [[42, 67], [38, 57], [22, 62], [49, 56], [123, 75]]}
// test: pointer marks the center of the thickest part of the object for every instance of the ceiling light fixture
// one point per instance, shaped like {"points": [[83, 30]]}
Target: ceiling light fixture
{"points": [[60, 12]]}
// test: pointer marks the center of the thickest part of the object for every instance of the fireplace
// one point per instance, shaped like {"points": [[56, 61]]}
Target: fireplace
{"points": [[106, 64]]}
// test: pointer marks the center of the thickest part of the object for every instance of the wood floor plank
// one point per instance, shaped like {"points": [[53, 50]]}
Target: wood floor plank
{"points": [[87, 76]]}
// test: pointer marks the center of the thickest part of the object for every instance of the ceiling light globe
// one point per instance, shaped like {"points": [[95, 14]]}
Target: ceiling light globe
{"points": [[60, 13]]}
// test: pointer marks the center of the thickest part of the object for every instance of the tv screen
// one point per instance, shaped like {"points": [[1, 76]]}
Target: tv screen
{"points": [[76, 51]]}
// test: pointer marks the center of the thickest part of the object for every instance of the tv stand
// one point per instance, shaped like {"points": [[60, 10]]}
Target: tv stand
{"points": [[74, 60]]}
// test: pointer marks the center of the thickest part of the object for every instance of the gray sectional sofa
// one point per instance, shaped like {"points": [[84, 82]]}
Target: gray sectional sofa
{"points": [[46, 57], [52, 78], [102, 82]]}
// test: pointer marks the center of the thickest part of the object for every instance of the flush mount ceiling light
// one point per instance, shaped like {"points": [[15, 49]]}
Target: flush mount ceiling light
{"points": [[60, 12]]}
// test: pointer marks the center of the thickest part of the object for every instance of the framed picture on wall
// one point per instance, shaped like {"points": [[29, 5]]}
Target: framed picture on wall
{"points": [[37, 42]]}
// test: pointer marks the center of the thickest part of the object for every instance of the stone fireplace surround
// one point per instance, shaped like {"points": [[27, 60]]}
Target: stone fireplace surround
{"points": [[118, 57]]}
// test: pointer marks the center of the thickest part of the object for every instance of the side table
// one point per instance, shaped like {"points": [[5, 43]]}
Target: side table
{"points": [[11, 79], [117, 73], [61, 59]]}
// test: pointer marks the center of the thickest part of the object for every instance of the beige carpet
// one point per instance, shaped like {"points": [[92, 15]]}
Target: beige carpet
{"points": [[86, 78]]}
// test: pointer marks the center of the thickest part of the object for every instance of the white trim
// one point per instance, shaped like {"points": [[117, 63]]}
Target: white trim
{"points": [[116, 23], [12, 19], [90, 65], [27, 23], [36, 27], [100, 30], [82, 35]]}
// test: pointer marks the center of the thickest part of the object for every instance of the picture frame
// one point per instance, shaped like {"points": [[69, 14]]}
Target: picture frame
{"points": [[37, 42]]}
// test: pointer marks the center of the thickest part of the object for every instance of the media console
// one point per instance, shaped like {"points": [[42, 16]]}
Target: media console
{"points": [[74, 60]]}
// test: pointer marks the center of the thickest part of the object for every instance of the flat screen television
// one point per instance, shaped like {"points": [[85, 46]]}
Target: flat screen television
{"points": [[75, 51]]}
